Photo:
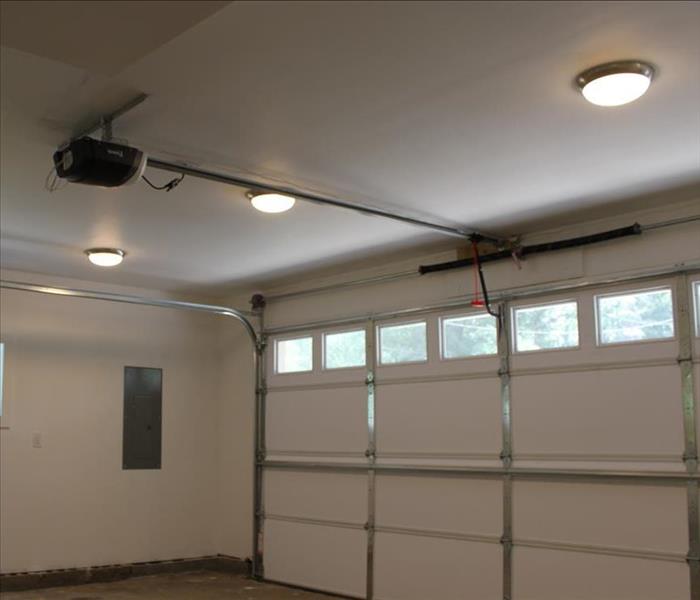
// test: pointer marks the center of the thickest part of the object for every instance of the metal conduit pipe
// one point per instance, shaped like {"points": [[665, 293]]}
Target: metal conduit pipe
{"points": [[240, 316]]}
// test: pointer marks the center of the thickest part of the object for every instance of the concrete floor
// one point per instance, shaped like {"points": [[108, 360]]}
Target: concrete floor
{"points": [[200, 585]]}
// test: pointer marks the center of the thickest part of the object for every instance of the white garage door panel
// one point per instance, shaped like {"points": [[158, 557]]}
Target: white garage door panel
{"points": [[332, 496], [626, 516], [421, 568], [540, 574], [450, 417], [454, 505], [617, 412], [332, 559], [317, 420]]}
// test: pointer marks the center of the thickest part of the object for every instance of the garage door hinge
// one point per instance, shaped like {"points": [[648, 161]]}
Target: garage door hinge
{"points": [[261, 455], [370, 453], [684, 359], [261, 344], [506, 541], [369, 380], [261, 389], [692, 559], [369, 526]]}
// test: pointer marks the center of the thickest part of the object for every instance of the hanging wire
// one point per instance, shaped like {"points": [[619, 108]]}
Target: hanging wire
{"points": [[477, 302], [53, 182], [171, 185], [484, 291]]}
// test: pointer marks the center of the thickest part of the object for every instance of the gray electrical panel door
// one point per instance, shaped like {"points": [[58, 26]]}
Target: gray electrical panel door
{"points": [[142, 418]]}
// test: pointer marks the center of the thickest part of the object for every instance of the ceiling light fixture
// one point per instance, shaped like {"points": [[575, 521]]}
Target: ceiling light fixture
{"points": [[615, 83], [271, 203], [105, 257]]}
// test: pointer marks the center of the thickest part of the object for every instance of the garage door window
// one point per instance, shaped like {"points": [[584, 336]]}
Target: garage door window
{"points": [[405, 343], [344, 350], [294, 355], [635, 316], [546, 326], [471, 335]]}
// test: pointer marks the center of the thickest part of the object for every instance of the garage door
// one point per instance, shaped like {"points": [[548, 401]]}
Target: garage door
{"points": [[435, 455]]}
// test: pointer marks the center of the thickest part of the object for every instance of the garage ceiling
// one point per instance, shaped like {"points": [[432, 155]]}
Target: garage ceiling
{"points": [[464, 112]]}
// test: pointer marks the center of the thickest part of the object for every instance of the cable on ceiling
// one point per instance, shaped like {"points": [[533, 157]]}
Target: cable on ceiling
{"points": [[169, 186], [53, 182]]}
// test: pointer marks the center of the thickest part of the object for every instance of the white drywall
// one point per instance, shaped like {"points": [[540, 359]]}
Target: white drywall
{"points": [[69, 503]]}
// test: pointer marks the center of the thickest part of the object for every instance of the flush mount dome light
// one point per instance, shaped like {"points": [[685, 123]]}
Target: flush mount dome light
{"points": [[269, 202], [105, 257], [615, 83]]}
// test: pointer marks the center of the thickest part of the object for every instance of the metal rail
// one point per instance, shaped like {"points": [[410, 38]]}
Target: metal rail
{"points": [[106, 121], [239, 315], [503, 346], [242, 182], [259, 443], [371, 452], [690, 453]]}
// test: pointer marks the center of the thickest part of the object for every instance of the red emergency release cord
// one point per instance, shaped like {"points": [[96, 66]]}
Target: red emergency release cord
{"points": [[477, 302], [479, 279]]}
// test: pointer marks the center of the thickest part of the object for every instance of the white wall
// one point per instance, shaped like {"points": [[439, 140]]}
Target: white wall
{"points": [[69, 503]]}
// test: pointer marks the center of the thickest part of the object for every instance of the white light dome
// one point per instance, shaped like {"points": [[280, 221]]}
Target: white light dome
{"points": [[272, 203], [105, 257], [615, 84]]}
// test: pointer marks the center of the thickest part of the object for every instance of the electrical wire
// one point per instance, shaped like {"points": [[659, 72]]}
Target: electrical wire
{"points": [[169, 186], [53, 182], [482, 280]]}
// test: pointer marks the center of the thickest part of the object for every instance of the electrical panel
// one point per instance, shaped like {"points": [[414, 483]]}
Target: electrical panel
{"points": [[142, 418]]}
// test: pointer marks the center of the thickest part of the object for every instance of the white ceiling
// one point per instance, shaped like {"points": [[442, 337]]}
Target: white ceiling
{"points": [[464, 112]]}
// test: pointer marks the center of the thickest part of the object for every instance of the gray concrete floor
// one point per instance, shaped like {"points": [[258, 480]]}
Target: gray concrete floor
{"points": [[200, 585]]}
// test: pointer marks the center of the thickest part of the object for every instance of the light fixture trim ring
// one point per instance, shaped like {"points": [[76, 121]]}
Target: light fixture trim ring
{"points": [[615, 67], [118, 251]]}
